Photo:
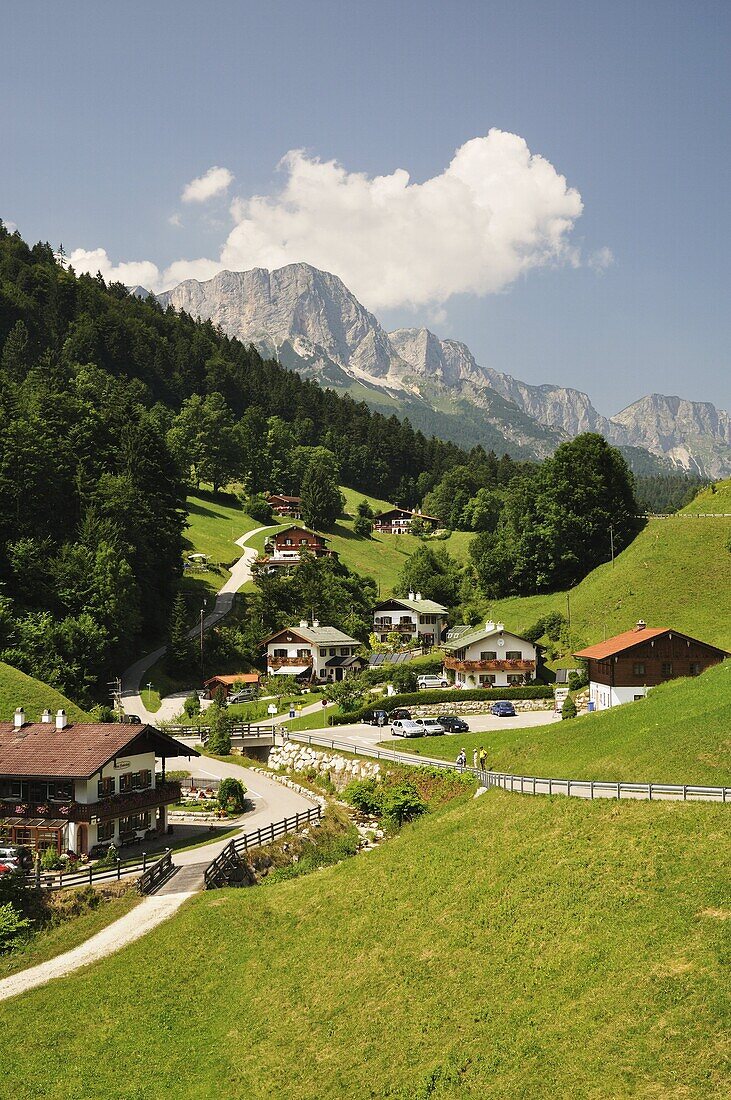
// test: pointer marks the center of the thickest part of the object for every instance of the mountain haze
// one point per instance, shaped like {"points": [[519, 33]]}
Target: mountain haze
{"points": [[312, 323]]}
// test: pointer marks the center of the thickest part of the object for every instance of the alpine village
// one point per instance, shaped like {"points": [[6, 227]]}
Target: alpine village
{"points": [[365, 713]]}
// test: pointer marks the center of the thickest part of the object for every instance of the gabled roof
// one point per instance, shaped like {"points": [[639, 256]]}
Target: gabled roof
{"points": [[239, 678], [315, 635], [297, 527], [478, 633], [405, 511], [630, 638], [80, 749], [422, 607], [281, 496]]}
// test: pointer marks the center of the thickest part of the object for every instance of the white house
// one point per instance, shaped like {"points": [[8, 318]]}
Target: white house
{"points": [[490, 656], [312, 652], [415, 619], [76, 786]]}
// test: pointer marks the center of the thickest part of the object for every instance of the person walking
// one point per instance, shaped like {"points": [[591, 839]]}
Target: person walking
{"points": [[483, 759], [474, 759], [462, 760]]}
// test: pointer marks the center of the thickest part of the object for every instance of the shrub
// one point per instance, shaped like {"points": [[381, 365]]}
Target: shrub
{"points": [[425, 698], [110, 857], [401, 803], [231, 795], [51, 860], [568, 710], [258, 508], [364, 795], [192, 706], [578, 680], [363, 527], [13, 927], [219, 732]]}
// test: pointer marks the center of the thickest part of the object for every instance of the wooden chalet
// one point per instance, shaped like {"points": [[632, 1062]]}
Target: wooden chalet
{"points": [[249, 682], [283, 549], [82, 786], [397, 521], [285, 506], [623, 668]]}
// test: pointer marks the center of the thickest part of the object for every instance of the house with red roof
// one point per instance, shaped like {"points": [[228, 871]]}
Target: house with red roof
{"points": [[623, 668]]}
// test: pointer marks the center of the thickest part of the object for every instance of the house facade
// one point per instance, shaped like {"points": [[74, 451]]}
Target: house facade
{"points": [[83, 786], [285, 506], [313, 652], [249, 682], [622, 669], [418, 621], [490, 656], [283, 549], [397, 521]]}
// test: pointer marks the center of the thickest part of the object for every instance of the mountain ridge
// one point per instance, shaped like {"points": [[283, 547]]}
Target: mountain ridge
{"points": [[311, 322]]}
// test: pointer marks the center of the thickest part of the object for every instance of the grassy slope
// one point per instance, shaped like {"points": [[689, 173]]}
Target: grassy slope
{"points": [[676, 573], [17, 689], [510, 947], [680, 734]]}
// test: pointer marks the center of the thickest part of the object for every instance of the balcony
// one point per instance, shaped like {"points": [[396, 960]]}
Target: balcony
{"points": [[289, 662], [405, 626], [458, 665], [117, 805]]}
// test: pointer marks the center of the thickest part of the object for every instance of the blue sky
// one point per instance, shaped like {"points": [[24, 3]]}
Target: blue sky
{"points": [[110, 110]]}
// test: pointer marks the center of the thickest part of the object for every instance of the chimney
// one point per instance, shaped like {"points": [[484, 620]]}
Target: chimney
{"points": [[19, 718], [411, 595], [641, 624], [303, 624], [500, 626], [46, 717], [315, 624], [418, 595], [489, 625], [61, 722]]}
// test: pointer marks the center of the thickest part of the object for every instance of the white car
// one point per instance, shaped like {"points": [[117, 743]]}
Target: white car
{"points": [[430, 683], [430, 727], [402, 727]]}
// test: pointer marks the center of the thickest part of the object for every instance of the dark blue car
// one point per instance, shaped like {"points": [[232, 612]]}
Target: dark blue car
{"points": [[503, 709]]}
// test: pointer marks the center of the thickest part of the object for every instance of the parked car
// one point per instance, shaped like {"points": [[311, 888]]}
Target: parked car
{"points": [[453, 724], [430, 727], [19, 856], [401, 727], [401, 712], [503, 709], [132, 720], [377, 718], [427, 683]]}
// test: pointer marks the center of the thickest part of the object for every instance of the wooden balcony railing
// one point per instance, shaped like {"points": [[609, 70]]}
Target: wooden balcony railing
{"points": [[458, 665], [117, 805], [287, 662], [404, 627]]}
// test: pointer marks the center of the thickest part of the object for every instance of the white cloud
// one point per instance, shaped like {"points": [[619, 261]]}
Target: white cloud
{"points": [[175, 220], [493, 214], [496, 212], [601, 259], [213, 182]]}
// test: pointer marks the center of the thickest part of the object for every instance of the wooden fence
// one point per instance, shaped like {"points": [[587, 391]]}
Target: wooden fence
{"points": [[229, 861], [93, 873]]}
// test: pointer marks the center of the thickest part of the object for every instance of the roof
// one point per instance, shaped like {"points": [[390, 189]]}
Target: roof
{"points": [[407, 512], [630, 638], [281, 496], [297, 527], [377, 659], [239, 678], [478, 633], [458, 630], [316, 635], [344, 662], [423, 607], [80, 749]]}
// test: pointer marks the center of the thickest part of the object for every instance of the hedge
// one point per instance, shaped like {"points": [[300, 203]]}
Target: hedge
{"points": [[455, 695]]}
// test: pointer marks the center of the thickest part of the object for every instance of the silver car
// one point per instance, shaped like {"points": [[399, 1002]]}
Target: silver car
{"points": [[430, 727], [402, 727]]}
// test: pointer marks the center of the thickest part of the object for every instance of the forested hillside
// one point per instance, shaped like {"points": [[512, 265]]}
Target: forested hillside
{"points": [[109, 406]]}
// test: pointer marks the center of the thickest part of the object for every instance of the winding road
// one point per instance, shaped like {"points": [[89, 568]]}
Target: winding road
{"points": [[172, 705]]}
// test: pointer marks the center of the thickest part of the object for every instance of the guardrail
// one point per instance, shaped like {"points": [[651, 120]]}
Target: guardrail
{"points": [[229, 860], [532, 784], [91, 874]]}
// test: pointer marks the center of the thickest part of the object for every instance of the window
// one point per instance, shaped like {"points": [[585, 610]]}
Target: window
{"points": [[637, 697], [288, 542], [10, 788], [333, 652], [37, 792], [61, 791], [105, 787], [666, 668], [488, 655], [513, 655], [515, 679], [280, 652], [105, 830], [638, 668], [345, 651], [487, 679], [140, 780], [303, 542], [695, 668], [303, 652], [323, 652], [125, 782]]}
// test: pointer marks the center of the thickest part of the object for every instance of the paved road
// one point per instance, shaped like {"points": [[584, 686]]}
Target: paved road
{"points": [[172, 705], [272, 802]]}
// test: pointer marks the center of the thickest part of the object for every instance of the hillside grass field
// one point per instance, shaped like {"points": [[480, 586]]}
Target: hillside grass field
{"points": [[17, 689], [508, 947], [681, 733], [676, 573]]}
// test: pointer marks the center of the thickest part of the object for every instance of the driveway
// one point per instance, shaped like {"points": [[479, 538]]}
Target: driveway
{"points": [[172, 705]]}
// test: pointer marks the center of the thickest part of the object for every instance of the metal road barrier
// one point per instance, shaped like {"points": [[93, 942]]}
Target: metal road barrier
{"points": [[533, 784]]}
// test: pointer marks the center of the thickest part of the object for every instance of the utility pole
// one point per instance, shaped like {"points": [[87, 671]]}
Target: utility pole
{"points": [[611, 541], [203, 612], [568, 612]]}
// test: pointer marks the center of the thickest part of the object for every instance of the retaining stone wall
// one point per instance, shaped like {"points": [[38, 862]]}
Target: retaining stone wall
{"points": [[477, 706], [294, 757]]}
